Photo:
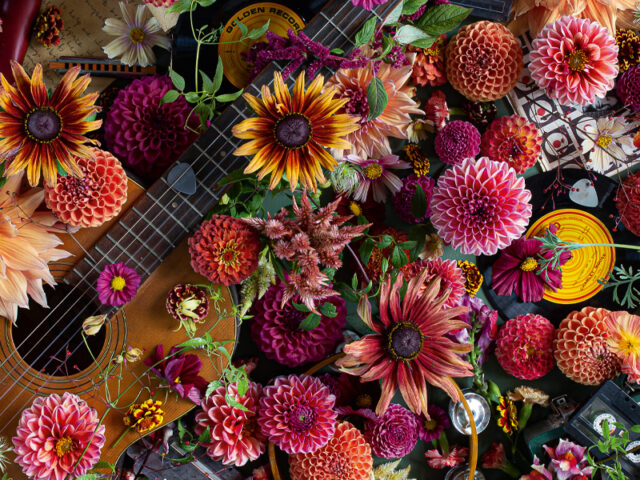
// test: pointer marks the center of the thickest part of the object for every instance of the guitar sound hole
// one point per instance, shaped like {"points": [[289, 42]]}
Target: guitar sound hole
{"points": [[50, 340]]}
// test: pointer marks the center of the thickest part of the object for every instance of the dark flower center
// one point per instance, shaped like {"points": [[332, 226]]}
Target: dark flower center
{"points": [[364, 400], [357, 104], [480, 210], [302, 418], [43, 124], [405, 341], [293, 131]]}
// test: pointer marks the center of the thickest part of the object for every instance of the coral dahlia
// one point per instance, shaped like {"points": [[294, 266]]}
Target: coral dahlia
{"points": [[575, 60], [450, 275], [457, 141], [513, 140], [428, 68], [225, 250], [393, 434], [52, 436], [480, 206], [524, 347]]}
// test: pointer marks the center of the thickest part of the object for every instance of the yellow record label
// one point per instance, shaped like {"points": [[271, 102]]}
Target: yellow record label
{"points": [[580, 274], [253, 16]]}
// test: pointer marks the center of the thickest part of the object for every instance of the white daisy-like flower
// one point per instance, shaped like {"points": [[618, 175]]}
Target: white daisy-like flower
{"points": [[606, 141], [138, 32]]}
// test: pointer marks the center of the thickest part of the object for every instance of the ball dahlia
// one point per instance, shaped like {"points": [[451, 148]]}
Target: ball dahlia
{"points": [[296, 413], [483, 61], [628, 88], [574, 60], [450, 275], [235, 436], [95, 198], [480, 206], [513, 140], [628, 202], [225, 250], [402, 200], [580, 347], [393, 434], [144, 134], [456, 141], [276, 329], [52, 436], [347, 456], [524, 346]]}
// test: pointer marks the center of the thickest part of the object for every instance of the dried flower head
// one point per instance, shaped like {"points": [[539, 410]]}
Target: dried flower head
{"points": [[92, 325], [529, 395]]}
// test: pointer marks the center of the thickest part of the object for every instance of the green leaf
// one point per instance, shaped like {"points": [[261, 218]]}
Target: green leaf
{"points": [[524, 415], [179, 7], [61, 171], [635, 429], [419, 203], [412, 6], [206, 3], [258, 32], [301, 307], [91, 117], [408, 245], [409, 34], [205, 437], [384, 265], [192, 343], [181, 430], [365, 251], [377, 98], [89, 476], [182, 461], [443, 18], [169, 97], [104, 465], [212, 387], [394, 16], [354, 282], [177, 79], [336, 51], [385, 241], [398, 257], [229, 97], [192, 97], [424, 42], [387, 45], [243, 29], [217, 77], [366, 32], [310, 322], [328, 309], [207, 83], [235, 404], [494, 391]]}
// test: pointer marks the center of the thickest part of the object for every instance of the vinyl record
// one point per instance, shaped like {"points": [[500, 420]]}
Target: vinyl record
{"points": [[585, 214]]}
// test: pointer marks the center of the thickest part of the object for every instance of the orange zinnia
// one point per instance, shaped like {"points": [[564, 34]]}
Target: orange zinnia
{"points": [[45, 131], [290, 133]]}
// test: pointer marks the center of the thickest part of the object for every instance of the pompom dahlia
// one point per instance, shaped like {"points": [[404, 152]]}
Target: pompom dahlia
{"points": [[513, 140], [628, 88], [575, 60], [524, 347], [225, 250], [347, 456], [52, 436], [393, 434], [580, 347], [480, 206], [403, 198], [483, 61], [276, 329], [296, 413], [628, 43], [95, 198], [457, 141], [117, 284], [628, 202], [235, 436], [450, 275], [144, 134]]}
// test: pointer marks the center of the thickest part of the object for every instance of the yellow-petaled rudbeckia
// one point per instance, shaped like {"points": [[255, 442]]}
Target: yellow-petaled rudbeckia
{"points": [[45, 131], [292, 131]]}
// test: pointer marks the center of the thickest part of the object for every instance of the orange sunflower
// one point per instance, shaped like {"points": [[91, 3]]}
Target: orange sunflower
{"points": [[45, 131], [290, 133]]}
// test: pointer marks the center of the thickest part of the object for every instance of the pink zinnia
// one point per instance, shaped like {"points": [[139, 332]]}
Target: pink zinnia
{"points": [[376, 175], [296, 413], [52, 436], [480, 206], [368, 4], [575, 60], [117, 284]]}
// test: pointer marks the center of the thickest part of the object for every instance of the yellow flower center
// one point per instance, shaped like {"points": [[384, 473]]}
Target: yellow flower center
{"points": [[63, 446], [355, 208], [529, 264], [577, 60], [604, 140], [228, 256], [430, 424], [364, 401], [177, 379], [118, 283], [137, 35], [373, 171], [629, 344]]}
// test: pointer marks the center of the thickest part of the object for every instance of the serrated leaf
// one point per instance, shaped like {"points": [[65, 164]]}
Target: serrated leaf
{"points": [[419, 203], [212, 387], [258, 32], [366, 32], [205, 437], [377, 98], [409, 34], [243, 29], [398, 257], [179, 7], [412, 6], [442, 18], [328, 309], [394, 16], [385, 241], [177, 79], [310, 322], [169, 97], [424, 42], [229, 97], [207, 83], [217, 77], [365, 251]]}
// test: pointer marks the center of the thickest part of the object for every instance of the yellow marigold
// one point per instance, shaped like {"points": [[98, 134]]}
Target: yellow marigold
{"points": [[473, 277], [145, 416], [418, 159]]}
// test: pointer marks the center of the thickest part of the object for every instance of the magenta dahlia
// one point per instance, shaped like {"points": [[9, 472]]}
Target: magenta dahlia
{"points": [[450, 274], [58, 437], [276, 329], [403, 199], [457, 141], [296, 413], [393, 434], [235, 436], [575, 60], [144, 134], [628, 88], [480, 206]]}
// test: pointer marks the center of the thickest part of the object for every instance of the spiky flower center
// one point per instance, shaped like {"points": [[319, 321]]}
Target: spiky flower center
{"points": [[229, 255], [578, 60], [358, 104], [604, 140], [302, 418], [529, 264], [43, 125], [405, 341], [137, 35], [118, 283], [64, 445], [293, 131], [373, 171]]}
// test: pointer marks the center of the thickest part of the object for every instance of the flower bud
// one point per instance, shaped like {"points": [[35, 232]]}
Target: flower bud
{"points": [[92, 325], [133, 354]]}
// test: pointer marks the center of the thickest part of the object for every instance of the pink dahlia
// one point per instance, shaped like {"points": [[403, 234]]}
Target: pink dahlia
{"points": [[393, 434], [52, 436], [276, 329], [117, 284], [403, 198], [480, 206], [524, 347], [296, 413], [235, 436], [575, 60], [376, 175], [450, 274], [457, 141], [144, 134]]}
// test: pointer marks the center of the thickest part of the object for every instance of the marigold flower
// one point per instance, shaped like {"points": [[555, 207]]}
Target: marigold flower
{"points": [[473, 277], [144, 416]]}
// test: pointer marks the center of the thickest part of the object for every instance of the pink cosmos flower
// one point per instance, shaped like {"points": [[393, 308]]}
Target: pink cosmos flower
{"points": [[376, 175], [455, 457], [117, 284]]}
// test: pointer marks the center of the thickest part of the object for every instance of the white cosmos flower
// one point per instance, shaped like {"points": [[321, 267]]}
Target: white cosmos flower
{"points": [[137, 33], [606, 142]]}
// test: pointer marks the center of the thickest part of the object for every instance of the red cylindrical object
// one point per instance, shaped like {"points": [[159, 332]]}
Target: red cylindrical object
{"points": [[17, 20]]}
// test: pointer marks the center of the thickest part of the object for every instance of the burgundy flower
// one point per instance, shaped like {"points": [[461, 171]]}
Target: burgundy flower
{"points": [[431, 429], [352, 395], [393, 434]]}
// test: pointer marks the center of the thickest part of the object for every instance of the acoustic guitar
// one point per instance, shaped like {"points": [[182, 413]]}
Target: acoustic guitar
{"points": [[45, 353]]}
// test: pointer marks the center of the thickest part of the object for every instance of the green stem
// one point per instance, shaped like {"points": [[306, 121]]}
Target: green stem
{"points": [[126, 430], [576, 246]]}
